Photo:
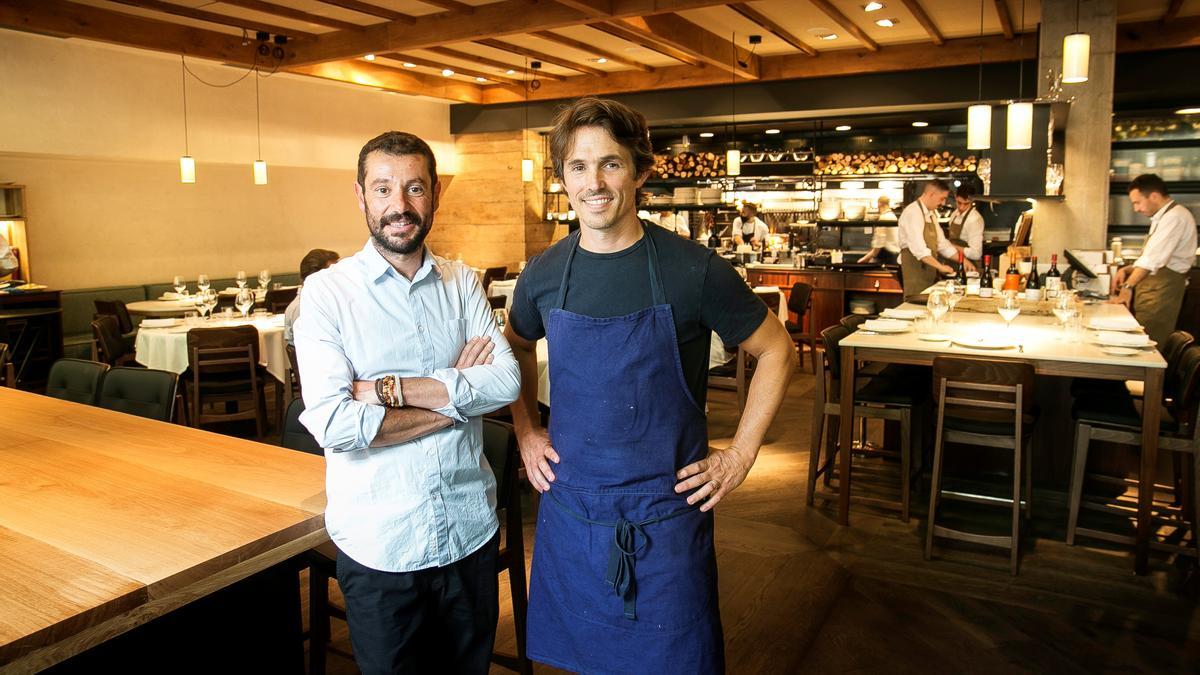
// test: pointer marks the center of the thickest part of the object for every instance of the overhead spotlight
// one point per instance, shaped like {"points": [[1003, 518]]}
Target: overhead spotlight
{"points": [[842, 127], [510, 71], [369, 57], [920, 124], [872, 6], [772, 131], [601, 60], [481, 79], [887, 23], [828, 36], [262, 36], [409, 65], [281, 39], [756, 39], [706, 134], [446, 72]]}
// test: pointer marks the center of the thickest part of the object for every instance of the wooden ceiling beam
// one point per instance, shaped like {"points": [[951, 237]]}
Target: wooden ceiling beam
{"points": [[399, 80], [498, 19], [591, 49], [1006, 23], [213, 17], [540, 56], [294, 14], [1147, 36], [677, 32], [955, 52], [69, 19], [369, 10], [593, 9], [491, 63], [915, 8], [1172, 10], [768, 24], [402, 58], [845, 22], [629, 35], [451, 6]]}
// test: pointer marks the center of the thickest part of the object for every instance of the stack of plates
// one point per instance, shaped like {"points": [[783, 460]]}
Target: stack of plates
{"points": [[710, 195], [685, 195], [1114, 339]]}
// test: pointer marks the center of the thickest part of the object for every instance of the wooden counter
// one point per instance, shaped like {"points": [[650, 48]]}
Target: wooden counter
{"points": [[111, 520], [833, 290]]}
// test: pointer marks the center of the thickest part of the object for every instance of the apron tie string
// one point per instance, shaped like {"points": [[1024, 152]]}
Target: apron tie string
{"points": [[624, 550]]}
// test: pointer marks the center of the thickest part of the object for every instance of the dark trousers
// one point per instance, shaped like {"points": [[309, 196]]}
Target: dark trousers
{"points": [[441, 619]]}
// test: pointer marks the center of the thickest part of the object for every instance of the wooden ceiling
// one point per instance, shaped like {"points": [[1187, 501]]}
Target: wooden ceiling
{"points": [[482, 51]]}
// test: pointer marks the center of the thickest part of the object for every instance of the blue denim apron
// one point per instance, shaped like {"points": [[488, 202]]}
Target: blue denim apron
{"points": [[624, 575]]}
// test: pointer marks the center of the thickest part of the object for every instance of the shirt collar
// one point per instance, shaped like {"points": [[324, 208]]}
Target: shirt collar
{"points": [[1160, 212], [376, 266]]}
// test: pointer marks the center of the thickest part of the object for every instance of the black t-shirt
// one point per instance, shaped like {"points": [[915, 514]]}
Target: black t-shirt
{"points": [[704, 291]]}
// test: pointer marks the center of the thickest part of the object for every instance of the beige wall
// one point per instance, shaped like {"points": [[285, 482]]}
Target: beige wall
{"points": [[96, 132]]}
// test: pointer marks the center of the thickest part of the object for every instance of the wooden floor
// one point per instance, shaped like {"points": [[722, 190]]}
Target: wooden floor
{"points": [[800, 594]]}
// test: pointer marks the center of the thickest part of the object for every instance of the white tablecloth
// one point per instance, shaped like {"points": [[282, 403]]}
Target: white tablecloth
{"points": [[161, 308], [166, 348], [503, 288]]}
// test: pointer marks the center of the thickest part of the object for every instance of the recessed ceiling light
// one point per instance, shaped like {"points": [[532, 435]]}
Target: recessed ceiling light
{"points": [[706, 134], [772, 131], [828, 36], [872, 6], [409, 65], [601, 60], [481, 79], [843, 127], [887, 23], [446, 72], [510, 71], [920, 124], [1188, 111], [369, 57]]}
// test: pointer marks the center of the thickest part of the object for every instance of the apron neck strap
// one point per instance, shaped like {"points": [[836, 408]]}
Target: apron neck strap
{"points": [[656, 286]]}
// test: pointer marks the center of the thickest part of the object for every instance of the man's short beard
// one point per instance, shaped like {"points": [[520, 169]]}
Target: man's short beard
{"points": [[406, 247]]}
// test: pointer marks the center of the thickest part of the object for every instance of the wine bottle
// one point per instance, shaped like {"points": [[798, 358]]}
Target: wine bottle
{"points": [[1012, 278], [985, 278], [1033, 285], [714, 242], [1053, 280], [962, 270]]}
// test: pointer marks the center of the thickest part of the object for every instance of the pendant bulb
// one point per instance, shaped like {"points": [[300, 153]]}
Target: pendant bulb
{"points": [[979, 127], [1020, 126], [733, 162], [1076, 52], [526, 170], [260, 172], [187, 169]]}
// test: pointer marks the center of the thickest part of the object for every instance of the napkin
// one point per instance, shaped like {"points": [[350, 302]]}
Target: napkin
{"points": [[1123, 339], [171, 295], [896, 313], [1113, 322], [885, 325]]}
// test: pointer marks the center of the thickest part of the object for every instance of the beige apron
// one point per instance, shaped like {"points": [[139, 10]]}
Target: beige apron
{"points": [[1158, 298], [917, 275], [956, 226]]}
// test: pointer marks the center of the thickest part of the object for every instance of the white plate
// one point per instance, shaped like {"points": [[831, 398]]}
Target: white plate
{"points": [[886, 327], [985, 342], [903, 314], [934, 337], [1131, 340], [1120, 351]]}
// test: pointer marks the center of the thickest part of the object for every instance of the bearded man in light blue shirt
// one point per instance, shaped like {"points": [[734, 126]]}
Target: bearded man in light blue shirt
{"points": [[399, 357]]}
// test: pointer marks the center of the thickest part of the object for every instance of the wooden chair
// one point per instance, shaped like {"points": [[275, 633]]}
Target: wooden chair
{"points": [[875, 398], [117, 310], [733, 376], [108, 343], [492, 274], [223, 368], [75, 380], [497, 301], [293, 384], [1115, 419], [985, 402], [140, 391], [500, 447], [800, 303], [278, 299], [8, 377]]}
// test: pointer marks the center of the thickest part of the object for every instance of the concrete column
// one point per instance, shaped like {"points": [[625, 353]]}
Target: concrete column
{"points": [[1081, 219]]}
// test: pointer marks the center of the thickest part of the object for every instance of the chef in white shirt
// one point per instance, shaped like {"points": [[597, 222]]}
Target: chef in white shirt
{"points": [[921, 239], [966, 224], [885, 239], [676, 222], [748, 229], [1156, 282]]}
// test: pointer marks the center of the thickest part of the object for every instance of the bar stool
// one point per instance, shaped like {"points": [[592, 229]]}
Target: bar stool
{"points": [[800, 302], [989, 403], [1115, 419], [876, 398]]}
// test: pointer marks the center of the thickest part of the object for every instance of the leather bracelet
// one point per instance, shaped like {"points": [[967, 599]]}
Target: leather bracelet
{"points": [[379, 390], [397, 392]]}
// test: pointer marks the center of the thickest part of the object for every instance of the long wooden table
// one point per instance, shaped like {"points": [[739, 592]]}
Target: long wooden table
{"points": [[1042, 347], [110, 520]]}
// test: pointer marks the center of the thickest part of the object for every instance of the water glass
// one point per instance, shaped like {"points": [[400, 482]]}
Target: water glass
{"points": [[244, 301], [1009, 307], [179, 284], [264, 279], [202, 282], [241, 279], [938, 304]]}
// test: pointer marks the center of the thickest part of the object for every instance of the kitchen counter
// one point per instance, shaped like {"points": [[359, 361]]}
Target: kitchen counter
{"points": [[833, 288]]}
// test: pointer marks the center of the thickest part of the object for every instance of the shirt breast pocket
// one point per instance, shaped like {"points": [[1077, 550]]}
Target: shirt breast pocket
{"points": [[456, 338]]}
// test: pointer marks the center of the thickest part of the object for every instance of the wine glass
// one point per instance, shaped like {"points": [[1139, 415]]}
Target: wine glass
{"points": [[264, 278], [1008, 307], [179, 284], [210, 300], [200, 300], [954, 292], [202, 282], [1065, 309], [244, 301], [938, 304], [241, 279]]}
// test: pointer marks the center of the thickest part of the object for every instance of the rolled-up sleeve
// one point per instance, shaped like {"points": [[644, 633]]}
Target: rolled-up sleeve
{"points": [[1161, 244], [331, 415], [480, 389], [972, 233], [912, 233]]}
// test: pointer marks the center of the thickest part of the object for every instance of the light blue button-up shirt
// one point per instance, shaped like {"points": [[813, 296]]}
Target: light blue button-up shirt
{"points": [[427, 502]]}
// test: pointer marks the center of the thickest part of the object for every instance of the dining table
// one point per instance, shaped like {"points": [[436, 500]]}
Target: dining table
{"points": [[111, 521], [175, 307], [1035, 339], [164, 347]]}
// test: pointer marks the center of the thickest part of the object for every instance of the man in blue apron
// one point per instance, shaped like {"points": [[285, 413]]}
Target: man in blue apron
{"points": [[624, 572]]}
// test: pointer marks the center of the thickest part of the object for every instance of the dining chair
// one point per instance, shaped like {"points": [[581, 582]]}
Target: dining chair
{"points": [[1171, 349], [983, 402], [117, 310], [8, 377], [500, 448], [109, 345], [293, 384], [1116, 420], [75, 380], [497, 301], [800, 303], [140, 391], [278, 299], [733, 375], [492, 274], [875, 397], [223, 367]]}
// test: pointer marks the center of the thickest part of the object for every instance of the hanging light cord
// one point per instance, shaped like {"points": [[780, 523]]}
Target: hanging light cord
{"points": [[733, 87], [1021, 59], [980, 51], [1076, 16], [183, 80], [258, 117]]}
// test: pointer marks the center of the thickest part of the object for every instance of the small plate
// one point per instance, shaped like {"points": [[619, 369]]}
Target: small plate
{"points": [[934, 337], [1120, 351], [985, 342]]}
